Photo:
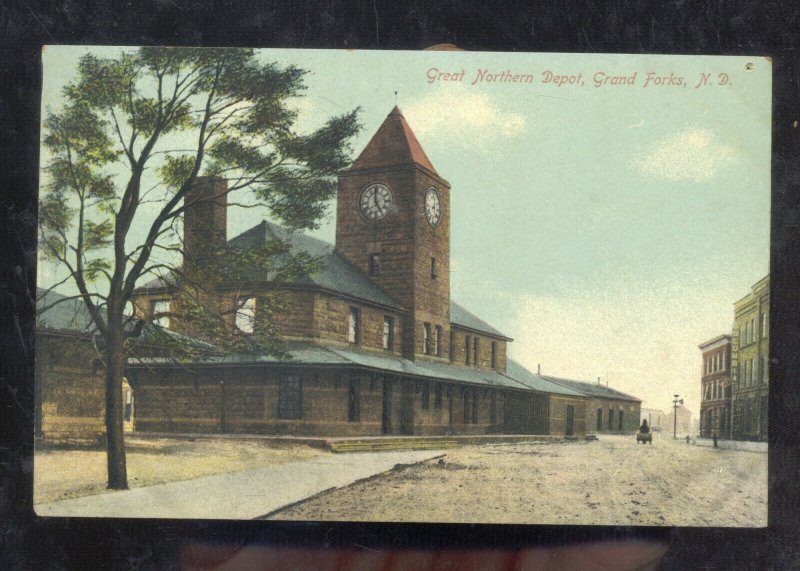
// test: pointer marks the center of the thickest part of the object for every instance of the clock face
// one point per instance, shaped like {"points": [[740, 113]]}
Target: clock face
{"points": [[375, 201], [433, 206]]}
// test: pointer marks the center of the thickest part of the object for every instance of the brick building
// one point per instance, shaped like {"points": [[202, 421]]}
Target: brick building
{"points": [[376, 344], [69, 404], [715, 388], [750, 364], [609, 410]]}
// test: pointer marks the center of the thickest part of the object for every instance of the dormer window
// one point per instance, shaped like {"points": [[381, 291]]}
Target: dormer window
{"points": [[374, 264], [246, 316]]}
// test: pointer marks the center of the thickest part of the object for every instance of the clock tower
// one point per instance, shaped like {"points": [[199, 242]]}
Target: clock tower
{"points": [[393, 224]]}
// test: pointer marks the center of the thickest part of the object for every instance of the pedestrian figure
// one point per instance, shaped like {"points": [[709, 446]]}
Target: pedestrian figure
{"points": [[687, 439], [644, 429], [714, 436]]}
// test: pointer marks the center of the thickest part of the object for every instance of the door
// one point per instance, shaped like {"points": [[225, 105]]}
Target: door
{"points": [[407, 409], [570, 420], [386, 415]]}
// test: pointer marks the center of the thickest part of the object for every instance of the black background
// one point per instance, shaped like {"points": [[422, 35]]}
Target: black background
{"points": [[623, 26]]}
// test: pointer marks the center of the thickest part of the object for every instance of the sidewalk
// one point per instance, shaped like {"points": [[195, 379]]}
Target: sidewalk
{"points": [[742, 445], [239, 495]]}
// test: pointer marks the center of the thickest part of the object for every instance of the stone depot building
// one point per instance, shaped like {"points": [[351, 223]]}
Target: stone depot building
{"points": [[376, 344]]}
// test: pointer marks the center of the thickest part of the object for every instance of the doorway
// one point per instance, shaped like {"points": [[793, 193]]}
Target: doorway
{"points": [[570, 420], [407, 409], [386, 415]]}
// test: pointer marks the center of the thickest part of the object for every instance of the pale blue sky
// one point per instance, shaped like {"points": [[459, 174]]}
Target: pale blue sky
{"points": [[607, 230]]}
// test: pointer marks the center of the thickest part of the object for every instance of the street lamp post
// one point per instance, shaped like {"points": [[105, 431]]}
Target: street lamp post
{"points": [[675, 402]]}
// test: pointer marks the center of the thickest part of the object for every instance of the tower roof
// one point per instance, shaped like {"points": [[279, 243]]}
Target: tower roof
{"points": [[393, 144]]}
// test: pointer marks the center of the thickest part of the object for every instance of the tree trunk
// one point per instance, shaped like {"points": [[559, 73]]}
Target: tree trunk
{"points": [[117, 468]]}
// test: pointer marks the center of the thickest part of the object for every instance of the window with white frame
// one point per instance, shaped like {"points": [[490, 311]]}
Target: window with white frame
{"points": [[246, 316], [158, 307], [353, 325], [388, 332], [764, 327]]}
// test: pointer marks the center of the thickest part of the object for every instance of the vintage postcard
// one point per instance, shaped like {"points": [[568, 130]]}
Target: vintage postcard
{"points": [[432, 286]]}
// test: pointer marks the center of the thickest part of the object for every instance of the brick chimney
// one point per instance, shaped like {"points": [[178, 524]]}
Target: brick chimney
{"points": [[205, 222]]}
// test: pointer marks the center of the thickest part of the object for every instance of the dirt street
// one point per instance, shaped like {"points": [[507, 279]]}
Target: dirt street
{"points": [[612, 481]]}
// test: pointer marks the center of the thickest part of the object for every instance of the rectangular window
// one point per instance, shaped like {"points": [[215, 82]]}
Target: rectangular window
{"points": [[426, 338], [610, 418], [437, 343], [353, 402], [290, 401], [452, 346], [475, 351], [743, 335], [433, 268], [764, 325], [388, 332], [374, 264], [467, 349], [353, 325], [246, 315], [426, 396], [620, 420], [764, 368], [157, 307], [474, 406], [494, 354], [493, 407], [465, 404]]}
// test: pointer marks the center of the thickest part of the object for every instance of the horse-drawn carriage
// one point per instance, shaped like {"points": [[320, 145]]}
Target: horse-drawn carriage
{"points": [[644, 437]]}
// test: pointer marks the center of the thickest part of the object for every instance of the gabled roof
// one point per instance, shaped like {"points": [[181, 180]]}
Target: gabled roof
{"points": [[463, 318], [393, 144], [591, 389], [535, 382], [334, 273]]}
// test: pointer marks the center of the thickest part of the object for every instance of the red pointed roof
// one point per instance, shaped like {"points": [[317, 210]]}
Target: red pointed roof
{"points": [[394, 143]]}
